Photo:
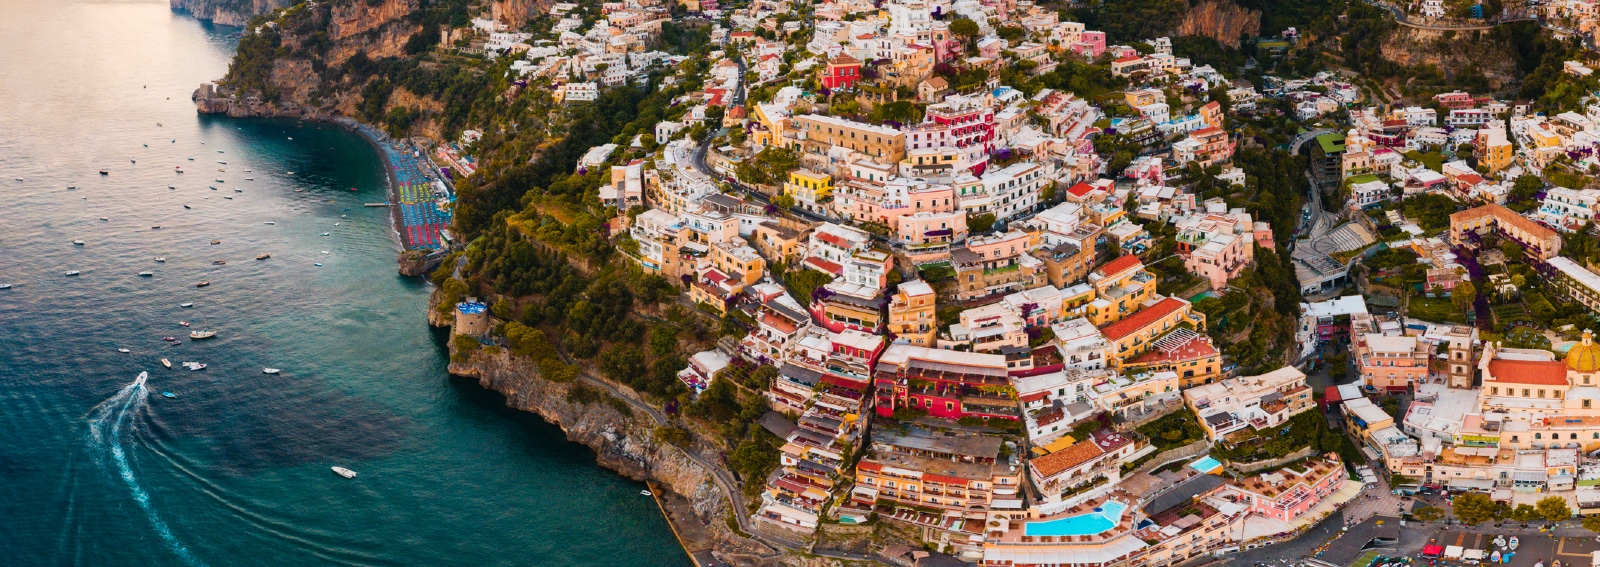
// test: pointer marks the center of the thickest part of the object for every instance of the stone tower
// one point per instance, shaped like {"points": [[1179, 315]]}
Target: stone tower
{"points": [[1461, 362]]}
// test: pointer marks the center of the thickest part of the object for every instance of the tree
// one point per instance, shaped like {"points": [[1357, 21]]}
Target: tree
{"points": [[1553, 508], [1428, 514], [964, 27], [1591, 523], [980, 223], [1524, 513], [1512, 250], [1474, 508], [1464, 295]]}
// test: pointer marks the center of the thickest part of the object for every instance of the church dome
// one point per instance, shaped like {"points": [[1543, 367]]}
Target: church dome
{"points": [[1584, 356]]}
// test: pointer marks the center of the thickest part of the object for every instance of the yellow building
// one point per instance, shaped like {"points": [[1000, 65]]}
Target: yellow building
{"points": [[1492, 149], [809, 186], [913, 313], [1120, 287], [739, 261], [1136, 334]]}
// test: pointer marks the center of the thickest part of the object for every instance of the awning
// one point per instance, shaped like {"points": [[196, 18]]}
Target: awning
{"points": [[1530, 476], [1472, 554], [1432, 550], [1483, 484], [1452, 551]]}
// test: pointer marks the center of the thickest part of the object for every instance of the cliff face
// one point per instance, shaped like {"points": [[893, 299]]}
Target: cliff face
{"points": [[1220, 20], [228, 12], [1452, 52]]}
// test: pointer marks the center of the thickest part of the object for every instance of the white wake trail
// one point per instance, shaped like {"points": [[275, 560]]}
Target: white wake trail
{"points": [[106, 424]]}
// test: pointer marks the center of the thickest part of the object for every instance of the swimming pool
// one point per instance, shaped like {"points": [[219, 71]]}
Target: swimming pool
{"points": [[1206, 465], [1094, 523]]}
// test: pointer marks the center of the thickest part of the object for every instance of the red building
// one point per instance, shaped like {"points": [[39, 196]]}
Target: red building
{"points": [[842, 72], [945, 383]]}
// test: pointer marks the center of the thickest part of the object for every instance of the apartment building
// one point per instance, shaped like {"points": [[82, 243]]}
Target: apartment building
{"points": [[912, 314], [1392, 363], [995, 264], [1261, 402], [1121, 287], [818, 135], [944, 383], [1289, 492], [944, 483]]}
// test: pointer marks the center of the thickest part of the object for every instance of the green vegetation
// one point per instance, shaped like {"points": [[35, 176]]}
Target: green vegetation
{"points": [[1308, 429], [1175, 429]]}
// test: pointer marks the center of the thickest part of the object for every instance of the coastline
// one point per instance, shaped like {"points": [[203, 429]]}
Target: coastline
{"points": [[391, 182]]}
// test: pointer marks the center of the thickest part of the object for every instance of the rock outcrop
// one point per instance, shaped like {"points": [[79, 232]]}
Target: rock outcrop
{"points": [[228, 12], [1221, 20], [1453, 52], [418, 262]]}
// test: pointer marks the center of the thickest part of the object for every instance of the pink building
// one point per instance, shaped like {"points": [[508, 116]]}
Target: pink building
{"points": [[1220, 259], [1455, 100], [1291, 491], [1090, 45], [945, 383], [1391, 363]]}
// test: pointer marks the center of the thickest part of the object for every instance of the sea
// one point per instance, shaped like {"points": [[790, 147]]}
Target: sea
{"points": [[100, 468]]}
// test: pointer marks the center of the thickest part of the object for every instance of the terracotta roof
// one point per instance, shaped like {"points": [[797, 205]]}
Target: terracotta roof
{"points": [[942, 479], [1034, 397], [1118, 265], [844, 59], [1504, 215], [1197, 348], [1470, 179], [825, 265], [1081, 189], [782, 324], [869, 466], [1536, 372], [1127, 59], [1140, 319], [1204, 131], [1054, 463]]}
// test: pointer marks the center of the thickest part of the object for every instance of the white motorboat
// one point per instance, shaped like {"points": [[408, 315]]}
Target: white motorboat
{"points": [[77, 243], [1512, 543], [104, 219], [196, 367], [185, 305], [324, 234], [202, 334], [124, 351], [72, 273], [166, 363], [319, 264], [646, 493], [271, 223], [5, 286], [344, 472], [161, 258], [146, 274], [269, 371]]}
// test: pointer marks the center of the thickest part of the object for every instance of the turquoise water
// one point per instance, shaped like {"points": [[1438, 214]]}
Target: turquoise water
{"points": [[1202, 295], [1093, 523], [101, 470], [1206, 465]]}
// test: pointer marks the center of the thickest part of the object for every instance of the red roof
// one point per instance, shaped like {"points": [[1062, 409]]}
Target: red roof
{"points": [[1034, 397], [1470, 179], [1116, 266], [1535, 372], [1204, 131], [869, 466], [1195, 349], [1081, 189], [825, 265], [1144, 317], [939, 478], [1127, 60]]}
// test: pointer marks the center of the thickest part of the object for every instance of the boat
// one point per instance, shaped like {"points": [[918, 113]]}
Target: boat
{"points": [[216, 242], [1512, 543], [222, 162], [184, 323], [249, 179], [104, 219], [238, 190], [197, 366], [219, 180], [291, 173], [5, 286], [299, 190], [344, 472], [219, 262], [213, 187], [263, 256], [1500, 541], [191, 158], [187, 207], [185, 306], [146, 274], [161, 258], [269, 223], [172, 187], [72, 273], [155, 227], [131, 160], [324, 234], [201, 335], [324, 251], [646, 493], [269, 371], [170, 339], [168, 395], [72, 187], [77, 243], [104, 171], [124, 351], [203, 284], [228, 198], [166, 363], [352, 188], [318, 264]]}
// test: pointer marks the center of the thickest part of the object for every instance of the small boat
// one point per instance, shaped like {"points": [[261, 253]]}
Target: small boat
{"points": [[219, 151], [161, 258], [5, 286], [344, 472], [184, 323], [646, 493], [270, 223], [155, 227], [19, 179], [219, 180], [248, 170], [201, 335], [324, 234], [203, 284], [222, 162], [72, 273], [146, 274], [104, 219], [248, 179], [124, 351], [77, 243], [131, 160], [290, 173], [263, 256], [166, 363], [197, 366], [299, 190], [185, 306], [191, 158], [238, 190], [1512, 543], [1500, 541], [216, 242], [269, 371], [228, 198], [170, 339], [172, 187], [213, 187], [187, 207], [219, 262], [318, 264], [324, 251], [352, 188], [72, 187], [104, 171], [168, 395]]}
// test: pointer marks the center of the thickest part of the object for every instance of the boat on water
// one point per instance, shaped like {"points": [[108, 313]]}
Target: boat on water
{"points": [[124, 351], [202, 284], [166, 363], [269, 371], [344, 472], [238, 190], [131, 160], [72, 187], [184, 323], [191, 158], [318, 264], [5, 286], [228, 198], [219, 262], [263, 256], [172, 187], [249, 179], [213, 187], [222, 162], [216, 242], [219, 180], [104, 219], [77, 243], [168, 395], [187, 207], [196, 367], [324, 251], [72, 273], [185, 306], [155, 227], [202, 334], [104, 171], [146, 274], [646, 493], [161, 258], [270, 223], [170, 339], [324, 234], [290, 173], [1512, 543]]}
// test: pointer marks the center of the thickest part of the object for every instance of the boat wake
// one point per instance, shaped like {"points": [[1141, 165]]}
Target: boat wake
{"points": [[107, 422]]}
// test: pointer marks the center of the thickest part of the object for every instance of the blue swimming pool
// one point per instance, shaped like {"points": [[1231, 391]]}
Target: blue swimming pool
{"points": [[1206, 465], [1093, 523]]}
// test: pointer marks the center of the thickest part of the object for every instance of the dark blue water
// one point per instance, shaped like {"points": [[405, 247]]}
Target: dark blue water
{"points": [[95, 470]]}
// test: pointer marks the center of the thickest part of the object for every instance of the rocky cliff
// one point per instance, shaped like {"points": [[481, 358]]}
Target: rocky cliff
{"points": [[1221, 20], [1453, 52], [228, 12]]}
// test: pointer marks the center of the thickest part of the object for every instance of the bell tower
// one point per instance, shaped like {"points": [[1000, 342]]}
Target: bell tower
{"points": [[1461, 363]]}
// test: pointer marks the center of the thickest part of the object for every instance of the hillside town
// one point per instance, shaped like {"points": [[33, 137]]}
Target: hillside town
{"points": [[1026, 293]]}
